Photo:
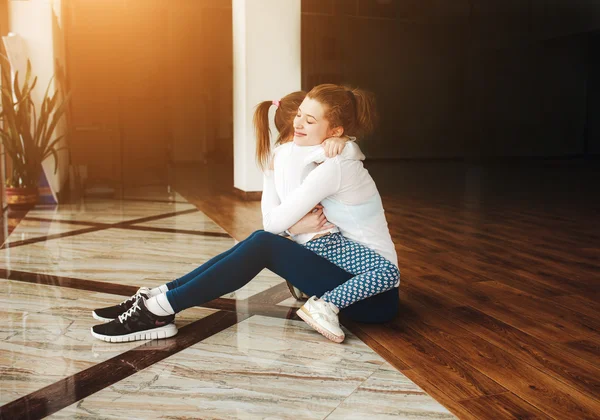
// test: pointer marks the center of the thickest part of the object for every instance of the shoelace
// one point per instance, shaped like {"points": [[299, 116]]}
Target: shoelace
{"points": [[123, 317], [133, 298]]}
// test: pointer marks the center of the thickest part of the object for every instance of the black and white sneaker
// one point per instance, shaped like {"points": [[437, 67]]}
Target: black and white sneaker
{"points": [[138, 323], [112, 312]]}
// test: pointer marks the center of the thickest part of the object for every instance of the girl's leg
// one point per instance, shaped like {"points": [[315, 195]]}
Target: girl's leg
{"points": [[189, 276], [302, 267], [373, 273]]}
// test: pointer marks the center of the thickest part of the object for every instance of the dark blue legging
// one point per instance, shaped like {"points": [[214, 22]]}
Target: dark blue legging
{"points": [[309, 272]]}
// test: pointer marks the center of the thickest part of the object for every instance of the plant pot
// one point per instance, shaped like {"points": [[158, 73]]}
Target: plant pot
{"points": [[21, 198]]}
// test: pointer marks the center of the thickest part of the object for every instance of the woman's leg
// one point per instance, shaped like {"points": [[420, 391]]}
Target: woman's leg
{"points": [[189, 276], [373, 273], [302, 267], [112, 312]]}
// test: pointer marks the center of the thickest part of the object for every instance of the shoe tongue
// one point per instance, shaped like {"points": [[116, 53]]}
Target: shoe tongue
{"points": [[130, 299]]}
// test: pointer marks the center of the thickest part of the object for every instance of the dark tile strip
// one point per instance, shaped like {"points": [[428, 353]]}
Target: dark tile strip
{"points": [[3, 224], [143, 200], [131, 227], [272, 311], [49, 237], [243, 307], [118, 224], [157, 217], [97, 227], [271, 296], [70, 282], [53, 398], [10, 219], [177, 231], [68, 222]]}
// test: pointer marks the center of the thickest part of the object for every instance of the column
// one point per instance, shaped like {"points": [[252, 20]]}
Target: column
{"points": [[266, 66]]}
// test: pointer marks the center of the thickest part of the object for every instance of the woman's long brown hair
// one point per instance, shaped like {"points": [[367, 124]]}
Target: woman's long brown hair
{"points": [[352, 109]]}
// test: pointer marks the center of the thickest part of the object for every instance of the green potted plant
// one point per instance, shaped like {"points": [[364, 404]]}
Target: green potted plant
{"points": [[26, 135]]}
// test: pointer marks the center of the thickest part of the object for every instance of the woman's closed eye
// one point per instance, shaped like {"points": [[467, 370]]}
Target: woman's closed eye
{"points": [[308, 122]]}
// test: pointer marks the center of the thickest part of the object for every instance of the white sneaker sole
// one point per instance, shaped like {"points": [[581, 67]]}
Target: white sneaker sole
{"points": [[302, 313], [99, 318], [166, 331]]}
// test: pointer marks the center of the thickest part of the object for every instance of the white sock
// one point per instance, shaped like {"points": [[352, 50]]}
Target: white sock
{"points": [[159, 305], [159, 290]]}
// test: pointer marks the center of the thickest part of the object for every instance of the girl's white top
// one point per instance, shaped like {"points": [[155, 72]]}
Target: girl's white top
{"points": [[342, 185]]}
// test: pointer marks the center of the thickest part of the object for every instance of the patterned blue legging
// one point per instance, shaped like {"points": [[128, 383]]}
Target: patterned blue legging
{"points": [[373, 274]]}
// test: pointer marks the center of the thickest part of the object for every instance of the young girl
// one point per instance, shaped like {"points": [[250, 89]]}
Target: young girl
{"points": [[150, 313]]}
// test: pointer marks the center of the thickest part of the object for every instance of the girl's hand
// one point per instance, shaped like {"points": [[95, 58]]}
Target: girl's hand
{"points": [[334, 145], [314, 221]]}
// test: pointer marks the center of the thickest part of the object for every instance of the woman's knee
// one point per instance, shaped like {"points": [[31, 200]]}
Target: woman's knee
{"points": [[253, 234], [264, 238]]}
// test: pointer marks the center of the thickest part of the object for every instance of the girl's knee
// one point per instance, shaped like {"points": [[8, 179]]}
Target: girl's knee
{"points": [[391, 274]]}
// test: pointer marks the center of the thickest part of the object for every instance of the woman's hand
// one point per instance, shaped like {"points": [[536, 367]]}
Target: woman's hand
{"points": [[334, 145], [314, 221]]}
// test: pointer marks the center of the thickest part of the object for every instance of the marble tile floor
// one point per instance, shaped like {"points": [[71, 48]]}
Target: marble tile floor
{"points": [[257, 364], [39, 229], [264, 368], [45, 335], [122, 256]]}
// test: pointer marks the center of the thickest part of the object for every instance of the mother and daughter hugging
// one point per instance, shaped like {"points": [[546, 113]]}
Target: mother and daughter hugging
{"points": [[324, 227]]}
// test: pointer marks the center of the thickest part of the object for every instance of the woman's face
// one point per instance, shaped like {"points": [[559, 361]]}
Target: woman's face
{"points": [[310, 126]]}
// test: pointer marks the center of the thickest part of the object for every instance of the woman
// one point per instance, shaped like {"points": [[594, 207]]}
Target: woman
{"points": [[150, 313], [360, 242]]}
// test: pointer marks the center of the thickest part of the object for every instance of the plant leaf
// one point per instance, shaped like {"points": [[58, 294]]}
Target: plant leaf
{"points": [[51, 145]]}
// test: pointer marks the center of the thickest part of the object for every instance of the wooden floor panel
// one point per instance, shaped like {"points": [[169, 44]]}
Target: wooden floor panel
{"points": [[588, 349], [574, 371], [502, 406], [531, 384]]}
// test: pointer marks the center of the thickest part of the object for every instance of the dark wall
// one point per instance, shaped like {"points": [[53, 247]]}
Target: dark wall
{"points": [[593, 110], [459, 78]]}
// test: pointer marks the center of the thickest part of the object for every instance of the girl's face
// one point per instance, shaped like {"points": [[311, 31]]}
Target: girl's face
{"points": [[310, 126]]}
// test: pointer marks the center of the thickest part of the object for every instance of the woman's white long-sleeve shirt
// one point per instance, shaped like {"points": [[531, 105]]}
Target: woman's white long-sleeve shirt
{"points": [[344, 187]]}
